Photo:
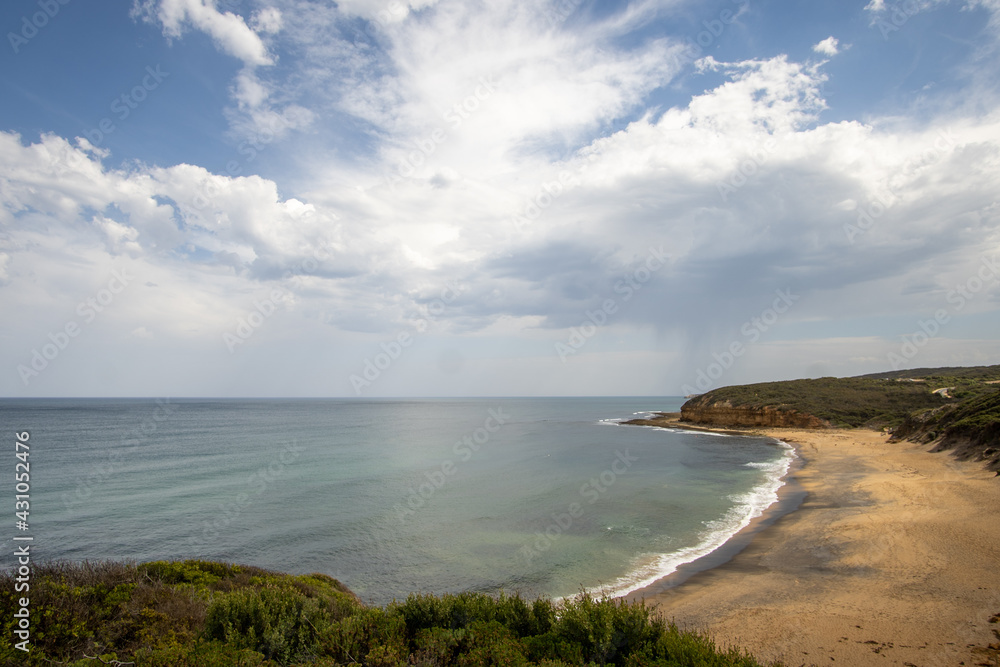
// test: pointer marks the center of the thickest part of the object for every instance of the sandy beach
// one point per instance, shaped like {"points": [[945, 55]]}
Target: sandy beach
{"points": [[892, 558]]}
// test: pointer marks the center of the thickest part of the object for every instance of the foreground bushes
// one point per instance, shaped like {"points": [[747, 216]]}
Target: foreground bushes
{"points": [[204, 614]]}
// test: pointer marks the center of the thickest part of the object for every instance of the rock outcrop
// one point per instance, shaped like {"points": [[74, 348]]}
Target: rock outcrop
{"points": [[726, 414]]}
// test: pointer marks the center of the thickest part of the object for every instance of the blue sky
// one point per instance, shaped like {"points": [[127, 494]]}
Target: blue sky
{"points": [[446, 198]]}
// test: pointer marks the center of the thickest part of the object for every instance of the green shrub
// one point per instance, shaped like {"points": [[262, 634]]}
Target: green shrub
{"points": [[550, 648], [455, 611], [491, 643], [607, 630], [371, 635], [69, 620], [197, 572], [280, 624], [674, 648], [203, 654], [481, 643]]}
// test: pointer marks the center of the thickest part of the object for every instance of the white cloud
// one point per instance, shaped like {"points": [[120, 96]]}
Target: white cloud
{"points": [[828, 46], [248, 91], [382, 12], [557, 85], [900, 12], [911, 7], [254, 114], [659, 181], [121, 238], [229, 31], [164, 208], [267, 20]]}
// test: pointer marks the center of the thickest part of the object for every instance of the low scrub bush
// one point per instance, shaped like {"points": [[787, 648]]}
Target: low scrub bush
{"points": [[198, 613]]}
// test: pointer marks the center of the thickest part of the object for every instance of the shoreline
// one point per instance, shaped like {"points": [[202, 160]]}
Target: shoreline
{"points": [[790, 495], [790, 498], [876, 553]]}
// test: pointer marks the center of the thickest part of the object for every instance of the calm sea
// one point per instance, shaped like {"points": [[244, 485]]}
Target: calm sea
{"points": [[546, 496]]}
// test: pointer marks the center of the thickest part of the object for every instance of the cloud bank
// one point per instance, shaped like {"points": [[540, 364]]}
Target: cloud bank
{"points": [[520, 167]]}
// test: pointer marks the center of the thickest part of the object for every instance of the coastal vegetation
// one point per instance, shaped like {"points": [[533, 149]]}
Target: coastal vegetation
{"points": [[209, 614], [841, 402], [969, 428]]}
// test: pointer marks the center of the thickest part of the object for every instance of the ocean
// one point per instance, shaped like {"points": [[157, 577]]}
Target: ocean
{"points": [[542, 496]]}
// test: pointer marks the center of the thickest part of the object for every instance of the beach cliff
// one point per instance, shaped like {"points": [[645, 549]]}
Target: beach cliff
{"points": [[949, 409], [706, 411]]}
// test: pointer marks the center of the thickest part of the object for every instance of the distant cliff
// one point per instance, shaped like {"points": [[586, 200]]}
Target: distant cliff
{"points": [[950, 409], [820, 403], [707, 411]]}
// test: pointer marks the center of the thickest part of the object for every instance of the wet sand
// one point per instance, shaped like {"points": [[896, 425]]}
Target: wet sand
{"points": [[892, 558]]}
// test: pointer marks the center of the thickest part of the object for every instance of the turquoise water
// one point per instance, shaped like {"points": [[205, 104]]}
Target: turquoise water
{"points": [[542, 495]]}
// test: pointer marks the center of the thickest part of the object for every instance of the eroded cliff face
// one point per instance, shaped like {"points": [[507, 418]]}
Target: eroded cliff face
{"points": [[724, 414]]}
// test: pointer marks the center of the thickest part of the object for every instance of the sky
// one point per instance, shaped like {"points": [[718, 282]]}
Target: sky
{"points": [[371, 198]]}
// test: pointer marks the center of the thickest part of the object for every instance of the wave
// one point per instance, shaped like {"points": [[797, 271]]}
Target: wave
{"points": [[712, 434], [668, 429], [615, 421], [746, 508]]}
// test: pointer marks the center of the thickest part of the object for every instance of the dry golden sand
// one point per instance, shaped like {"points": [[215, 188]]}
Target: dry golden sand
{"points": [[892, 559]]}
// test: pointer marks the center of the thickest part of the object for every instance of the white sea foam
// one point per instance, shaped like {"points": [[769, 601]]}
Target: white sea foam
{"points": [[616, 421], [713, 434], [688, 431], [746, 508], [619, 421]]}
